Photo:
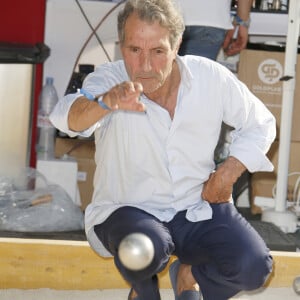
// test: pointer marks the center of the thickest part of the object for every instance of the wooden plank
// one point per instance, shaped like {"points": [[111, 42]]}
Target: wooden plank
{"points": [[286, 268], [66, 265]]}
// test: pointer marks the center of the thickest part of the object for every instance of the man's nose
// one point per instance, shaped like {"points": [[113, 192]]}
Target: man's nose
{"points": [[145, 62]]}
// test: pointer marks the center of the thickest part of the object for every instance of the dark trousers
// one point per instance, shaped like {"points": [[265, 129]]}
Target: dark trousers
{"points": [[227, 255]]}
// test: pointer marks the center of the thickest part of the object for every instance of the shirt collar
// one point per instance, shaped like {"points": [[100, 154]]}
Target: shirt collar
{"points": [[185, 72]]}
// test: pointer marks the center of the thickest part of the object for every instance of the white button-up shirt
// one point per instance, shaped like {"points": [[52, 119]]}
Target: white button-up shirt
{"points": [[149, 161]]}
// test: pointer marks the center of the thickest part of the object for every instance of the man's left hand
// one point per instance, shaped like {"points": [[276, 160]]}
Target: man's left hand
{"points": [[218, 187]]}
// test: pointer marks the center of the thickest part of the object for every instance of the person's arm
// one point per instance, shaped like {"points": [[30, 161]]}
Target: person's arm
{"points": [[76, 114], [84, 113], [236, 39], [243, 9], [254, 130]]}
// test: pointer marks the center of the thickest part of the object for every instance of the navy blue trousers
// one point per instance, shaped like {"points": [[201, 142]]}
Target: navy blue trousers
{"points": [[227, 255]]}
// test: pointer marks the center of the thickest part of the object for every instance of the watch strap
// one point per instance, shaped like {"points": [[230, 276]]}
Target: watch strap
{"points": [[241, 22]]}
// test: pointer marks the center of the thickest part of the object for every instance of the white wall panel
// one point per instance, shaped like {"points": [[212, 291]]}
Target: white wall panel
{"points": [[15, 110]]}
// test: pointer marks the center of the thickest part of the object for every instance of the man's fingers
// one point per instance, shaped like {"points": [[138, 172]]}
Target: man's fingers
{"points": [[128, 88], [138, 87], [125, 96]]}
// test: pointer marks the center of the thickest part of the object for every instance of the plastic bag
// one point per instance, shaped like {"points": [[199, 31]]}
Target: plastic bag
{"points": [[28, 203]]}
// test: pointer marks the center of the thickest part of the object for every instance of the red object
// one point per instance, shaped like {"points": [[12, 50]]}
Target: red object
{"points": [[24, 22]]}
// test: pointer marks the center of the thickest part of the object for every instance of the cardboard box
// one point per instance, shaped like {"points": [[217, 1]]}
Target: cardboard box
{"points": [[263, 183], [261, 72], [83, 151]]}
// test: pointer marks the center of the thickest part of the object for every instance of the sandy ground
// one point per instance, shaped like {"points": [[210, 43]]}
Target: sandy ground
{"points": [[121, 294]]}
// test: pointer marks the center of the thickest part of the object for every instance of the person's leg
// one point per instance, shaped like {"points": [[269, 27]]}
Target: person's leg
{"points": [[128, 220], [202, 41], [227, 255], [183, 282]]}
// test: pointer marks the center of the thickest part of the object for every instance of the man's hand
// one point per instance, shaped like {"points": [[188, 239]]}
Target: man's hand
{"points": [[218, 187], [125, 96], [235, 40], [84, 113]]}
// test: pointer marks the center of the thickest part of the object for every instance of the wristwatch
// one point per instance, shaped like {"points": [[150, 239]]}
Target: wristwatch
{"points": [[239, 21], [97, 98]]}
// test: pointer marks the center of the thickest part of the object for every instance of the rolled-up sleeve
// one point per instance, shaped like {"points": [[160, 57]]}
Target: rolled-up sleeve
{"points": [[59, 116], [254, 130]]}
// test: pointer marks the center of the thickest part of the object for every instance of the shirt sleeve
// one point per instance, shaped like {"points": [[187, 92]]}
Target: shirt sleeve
{"points": [[59, 116], [254, 127], [98, 82]]}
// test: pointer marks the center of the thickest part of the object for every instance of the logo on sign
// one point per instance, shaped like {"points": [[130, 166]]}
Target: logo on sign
{"points": [[270, 71]]}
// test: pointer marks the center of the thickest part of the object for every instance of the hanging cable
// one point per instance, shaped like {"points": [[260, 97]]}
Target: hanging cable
{"points": [[94, 31]]}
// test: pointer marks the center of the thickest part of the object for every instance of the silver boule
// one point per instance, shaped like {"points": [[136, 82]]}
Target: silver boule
{"points": [[136, 251]]}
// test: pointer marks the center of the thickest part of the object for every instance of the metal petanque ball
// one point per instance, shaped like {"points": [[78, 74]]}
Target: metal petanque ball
{"points": [[136, 251], [296, 285]]}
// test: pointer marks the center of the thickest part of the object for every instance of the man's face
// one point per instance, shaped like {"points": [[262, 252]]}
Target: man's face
{"points": [[147, 53]]}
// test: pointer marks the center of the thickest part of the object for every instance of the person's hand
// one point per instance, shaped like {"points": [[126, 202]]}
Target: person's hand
{"points": [[235, 40], [125, 96], [218, 187]]}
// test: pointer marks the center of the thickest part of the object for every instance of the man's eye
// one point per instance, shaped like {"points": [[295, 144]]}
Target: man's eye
{"points": [[158, 51]]}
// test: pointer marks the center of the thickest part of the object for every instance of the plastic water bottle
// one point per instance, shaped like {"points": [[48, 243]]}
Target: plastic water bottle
{"points": [[46, 131]]}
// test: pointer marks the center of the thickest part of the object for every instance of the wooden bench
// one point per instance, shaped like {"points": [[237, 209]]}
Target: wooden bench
{"points": [[72, 265]]}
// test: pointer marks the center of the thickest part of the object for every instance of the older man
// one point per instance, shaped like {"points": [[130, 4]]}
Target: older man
{"points": [[157, 118]]}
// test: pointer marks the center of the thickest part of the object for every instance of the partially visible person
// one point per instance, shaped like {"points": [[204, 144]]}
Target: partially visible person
{"points": [[209, 27], [157, 117]]}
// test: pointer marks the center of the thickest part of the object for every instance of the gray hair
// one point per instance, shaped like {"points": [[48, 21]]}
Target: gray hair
{"points": [[165, 12]]}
